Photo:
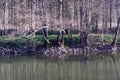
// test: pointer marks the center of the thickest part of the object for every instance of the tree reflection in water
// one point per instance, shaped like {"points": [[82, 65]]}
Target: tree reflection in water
{"points": [[37, 69]]}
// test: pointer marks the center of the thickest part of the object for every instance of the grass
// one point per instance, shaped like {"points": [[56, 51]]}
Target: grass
{"points": [[38, 39]]}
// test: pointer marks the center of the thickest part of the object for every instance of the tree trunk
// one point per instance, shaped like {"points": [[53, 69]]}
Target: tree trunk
{"points": [[6, 15], [110, 15], [60, 38], [81, 14], [45, 36], [83, 39], [45, 29], [43, 11], [60, 13], [116, 34], [118, 27], [69, 34], [87, 19]]}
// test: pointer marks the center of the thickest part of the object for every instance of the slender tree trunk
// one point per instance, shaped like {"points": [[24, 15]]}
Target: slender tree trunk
{"points": [[3, 24], [106, 18], [31, 16], [110, 14], [81, 14], [43, 11], [88, 18], [60, 38], [116, 34], [45, 36], [6, 15], [74, 14], [45, 29], [84, 34], [69, 34], [118, 27], [103, 22]]}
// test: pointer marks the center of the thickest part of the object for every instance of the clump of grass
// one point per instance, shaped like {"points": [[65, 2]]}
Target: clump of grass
{"points": [[108, 38], [4, 38]]}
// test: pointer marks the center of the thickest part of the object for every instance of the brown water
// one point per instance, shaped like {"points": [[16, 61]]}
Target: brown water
{"points": [[44, 69]]}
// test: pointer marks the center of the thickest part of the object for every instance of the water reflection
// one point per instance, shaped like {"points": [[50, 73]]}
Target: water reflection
{"points": [[36, 69]]}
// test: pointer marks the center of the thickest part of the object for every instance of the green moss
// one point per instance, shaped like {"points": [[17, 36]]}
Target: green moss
{"points": [[3, 38], [108, 38]]}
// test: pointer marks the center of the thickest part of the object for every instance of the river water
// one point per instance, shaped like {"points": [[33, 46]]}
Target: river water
{"points": [[45, 69]]}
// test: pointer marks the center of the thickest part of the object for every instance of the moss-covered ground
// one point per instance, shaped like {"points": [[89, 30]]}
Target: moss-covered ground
{"points": [[6, 41]]}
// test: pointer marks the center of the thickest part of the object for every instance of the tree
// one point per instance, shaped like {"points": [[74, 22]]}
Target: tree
{"points": [[60, 38], [110, 2], [6, 14], [118, 26]]}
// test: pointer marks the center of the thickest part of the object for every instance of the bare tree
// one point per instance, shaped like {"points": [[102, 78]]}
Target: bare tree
{"points": [[110, 2], [118, 26], [6, 14], [60, 38]]}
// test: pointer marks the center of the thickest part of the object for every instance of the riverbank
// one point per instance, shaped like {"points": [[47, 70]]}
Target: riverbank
{"points": [[22, 46]]}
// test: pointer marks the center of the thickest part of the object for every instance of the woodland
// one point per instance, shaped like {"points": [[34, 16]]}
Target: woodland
{"points": [[59, 28]]}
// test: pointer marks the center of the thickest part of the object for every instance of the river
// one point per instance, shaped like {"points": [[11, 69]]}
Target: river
{"points": [[46, 69]]}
